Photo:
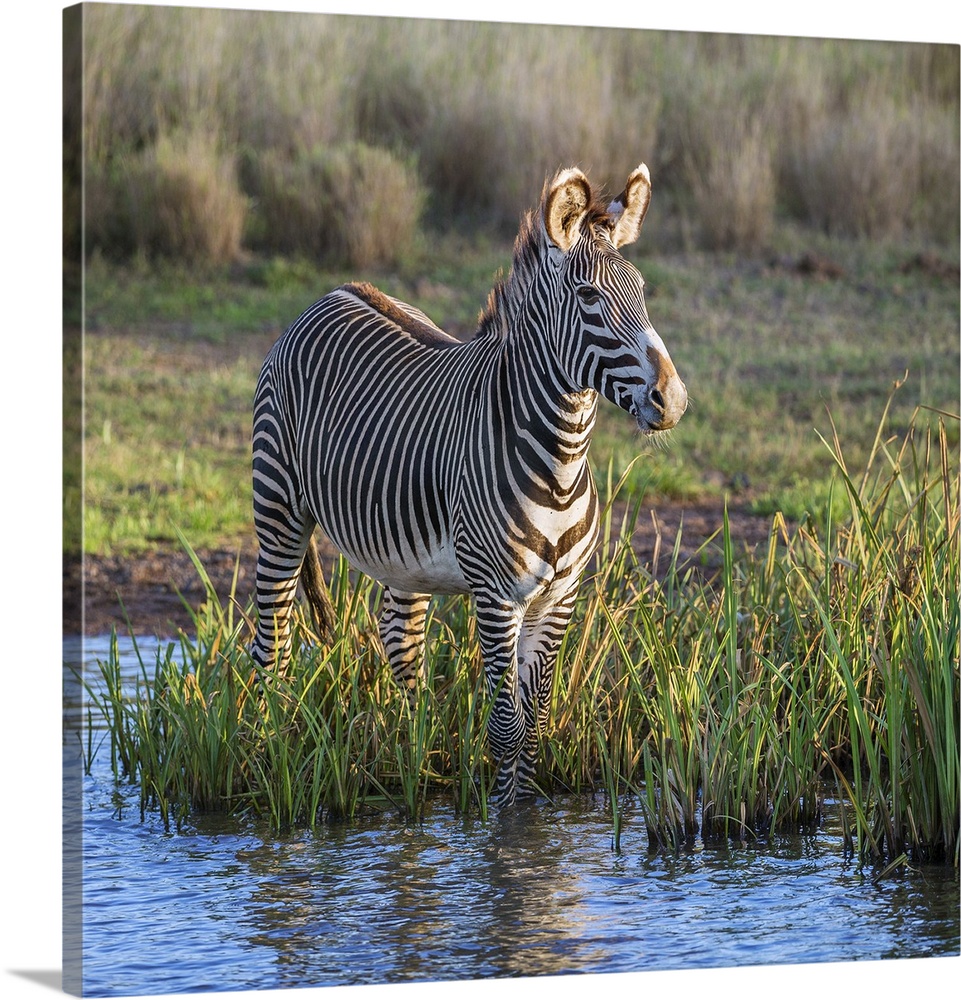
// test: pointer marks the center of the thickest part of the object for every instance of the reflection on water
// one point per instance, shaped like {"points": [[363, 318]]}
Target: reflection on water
{"points": [[227, 905]]}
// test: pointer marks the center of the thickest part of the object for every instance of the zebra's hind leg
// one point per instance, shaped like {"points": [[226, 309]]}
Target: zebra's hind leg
{"points": [[282, 523], [402, 622], [537, 649], [283, 544]]}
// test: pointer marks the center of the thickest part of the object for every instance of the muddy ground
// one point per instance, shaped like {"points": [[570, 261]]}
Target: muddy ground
{"points": [[148, 586]]}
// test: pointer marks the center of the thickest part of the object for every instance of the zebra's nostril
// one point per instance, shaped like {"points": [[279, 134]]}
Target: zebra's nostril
{"points": [[657, 400]]}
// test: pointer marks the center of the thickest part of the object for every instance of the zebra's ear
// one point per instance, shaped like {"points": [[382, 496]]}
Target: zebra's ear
{"points": [[565, 205], [630, 206]]}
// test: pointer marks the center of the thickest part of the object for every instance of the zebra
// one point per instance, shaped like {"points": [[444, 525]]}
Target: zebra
{"points": [[441, 466]]}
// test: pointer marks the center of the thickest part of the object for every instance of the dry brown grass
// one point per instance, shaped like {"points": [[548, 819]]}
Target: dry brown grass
{"points": [[355, 204], [860, 174], [726, 165], [176, 198], [855, 137]]}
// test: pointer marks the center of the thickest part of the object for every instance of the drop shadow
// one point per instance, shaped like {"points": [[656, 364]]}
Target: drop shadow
{"points": [[51, 978]]}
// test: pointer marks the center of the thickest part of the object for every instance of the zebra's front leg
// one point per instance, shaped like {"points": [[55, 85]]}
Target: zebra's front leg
{"points": [[402, 622], [498, 626], [538, 645]]}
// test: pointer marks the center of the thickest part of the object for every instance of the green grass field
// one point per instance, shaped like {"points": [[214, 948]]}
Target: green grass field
{"points": [[771, 355]]}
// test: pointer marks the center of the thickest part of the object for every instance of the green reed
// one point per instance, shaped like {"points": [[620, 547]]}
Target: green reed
{"points": [[888, 604], [725, 707]]}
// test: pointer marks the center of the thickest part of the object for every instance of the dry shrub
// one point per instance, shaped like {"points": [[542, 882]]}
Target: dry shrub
{"points": [[734, 190], [288, 78], [106, 212], [521, 101], [716, 140], [150, 71], [177, 199], [477, 163], [939, 170], [858, 173], [489, 110], [390, 103], [880, 169], [355, 205]]}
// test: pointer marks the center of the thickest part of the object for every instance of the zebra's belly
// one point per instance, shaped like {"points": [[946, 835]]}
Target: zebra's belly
{"points": [[390, 517], [421, 571], [528, 575]]}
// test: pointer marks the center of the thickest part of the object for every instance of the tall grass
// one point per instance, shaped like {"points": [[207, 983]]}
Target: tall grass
{"points": [[895, 579], [177, 198], [735, 128], [720, 129], [725, 707], [354, 204]]}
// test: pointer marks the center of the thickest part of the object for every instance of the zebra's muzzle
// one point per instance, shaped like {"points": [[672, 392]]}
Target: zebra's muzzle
{"points": [[660, 406]]}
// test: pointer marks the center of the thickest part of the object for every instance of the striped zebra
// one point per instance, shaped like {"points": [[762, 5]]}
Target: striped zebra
{"points": [[446, 467]]}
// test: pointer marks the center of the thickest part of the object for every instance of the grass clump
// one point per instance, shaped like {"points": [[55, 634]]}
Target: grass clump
{"points": [[887, 597], [833, 657], [860, 175], [177, 198], [725, 707], [356, 204], [201, 731], [717, 132]]}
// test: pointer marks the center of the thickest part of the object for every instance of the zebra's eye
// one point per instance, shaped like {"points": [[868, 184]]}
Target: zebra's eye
{"points": [[588, 295]]}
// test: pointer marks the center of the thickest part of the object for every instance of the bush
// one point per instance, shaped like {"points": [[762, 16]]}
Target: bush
{"points": [[390, 104], [858, 174], [715, 134], [859, 136], [176, 199], [106, 212], [875, 168], [523, 101], [354, 205], [733, 192], [939, 205]]}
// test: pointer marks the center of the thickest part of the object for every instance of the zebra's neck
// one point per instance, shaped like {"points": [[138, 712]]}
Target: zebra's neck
{"points": [[546, 423]]}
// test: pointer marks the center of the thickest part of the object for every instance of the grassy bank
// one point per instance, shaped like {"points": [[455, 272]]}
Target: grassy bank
{"points": [[719, 709]]}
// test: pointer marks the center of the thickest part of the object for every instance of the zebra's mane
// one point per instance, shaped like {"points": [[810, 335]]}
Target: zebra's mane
{"points": [[530, 246]]}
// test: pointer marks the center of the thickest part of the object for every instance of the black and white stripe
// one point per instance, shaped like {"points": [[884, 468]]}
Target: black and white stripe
{"points": [[445, 467]]}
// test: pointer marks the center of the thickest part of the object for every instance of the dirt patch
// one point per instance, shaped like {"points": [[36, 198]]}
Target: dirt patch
{"points": [[152, 587]]}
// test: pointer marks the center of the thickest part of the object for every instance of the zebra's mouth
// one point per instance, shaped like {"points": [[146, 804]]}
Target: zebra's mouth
{"points": [[643, 424], [660, 407]]}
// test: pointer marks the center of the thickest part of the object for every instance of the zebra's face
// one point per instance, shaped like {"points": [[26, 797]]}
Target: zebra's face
{"points": [[605, 338]]}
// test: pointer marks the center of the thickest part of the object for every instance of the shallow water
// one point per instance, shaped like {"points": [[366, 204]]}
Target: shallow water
{"points": [[226, 905]]}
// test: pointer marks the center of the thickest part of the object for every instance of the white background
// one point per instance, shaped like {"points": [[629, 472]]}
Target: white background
{"points": [[30, 521]]}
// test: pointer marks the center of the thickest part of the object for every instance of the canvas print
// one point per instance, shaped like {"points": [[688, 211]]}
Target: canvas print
{"points": [[511, 500]]}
